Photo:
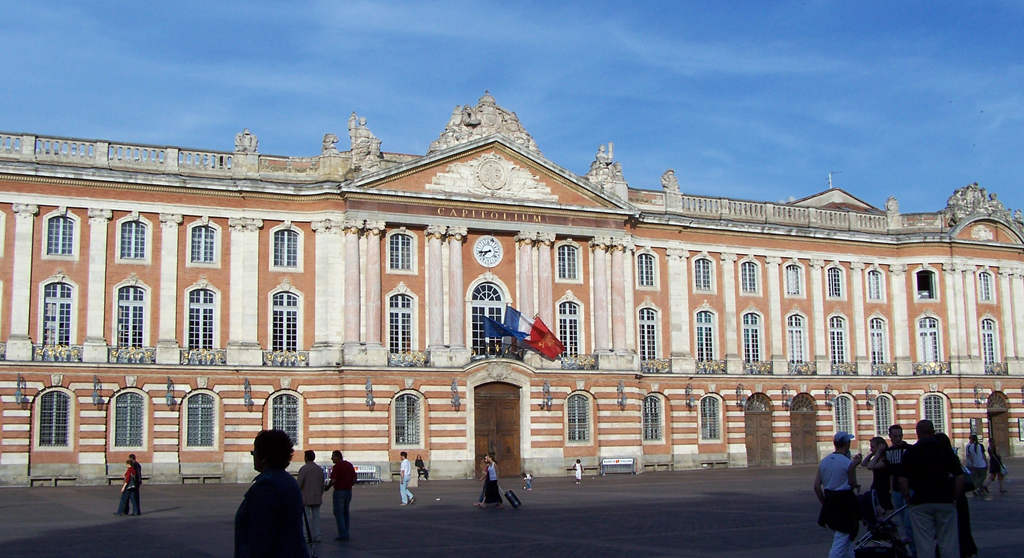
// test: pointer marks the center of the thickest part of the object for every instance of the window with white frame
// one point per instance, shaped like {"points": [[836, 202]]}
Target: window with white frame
{"points": [[988, 340], [286, 248], [874, 285], [837, 339], [60, 236], [199, 431], [400, 323], [935, 411], [201, 311], [648, 329], [928, 337], [285, 322], [795, 335], [568, 262], [645, 270], [128, 420], [284, 415], [407, 420], [835, 282], [204, 244], [794, 280], [883, 415], [400, 252], [133, 240], [710, 419], [569, 327], [705, 336], [844, 414], [985, 287], [652, 418], [131, 316], [925, 282], [748, 277], [578, 417], [702, 274], [54, 418], [751, 337], [57, 314], [486, 301], [877, 335]]}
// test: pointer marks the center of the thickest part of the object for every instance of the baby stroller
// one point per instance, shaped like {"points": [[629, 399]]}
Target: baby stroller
{"points": [[882, 539]]}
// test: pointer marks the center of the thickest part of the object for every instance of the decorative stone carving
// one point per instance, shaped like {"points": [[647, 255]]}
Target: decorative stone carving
{"points": [[245, 224], [435, 231], [375, 227], [491, 175], [669, 182], [353, 226], [25, 210], [56, 379], [326, 226], [286, 383], [365, 146], [285, 285], [499, 372], [773, 260], [456, 233], [603, 171], [545, 238], [973, 200], [1018, 216], [329, 148], [817, 263], [677, 254], [170, 220], [485, 119], [99, 216], [892, 205], [981, 232], [525, 238], [898, 269], [129, 381], [202, 382], [246, 142]]}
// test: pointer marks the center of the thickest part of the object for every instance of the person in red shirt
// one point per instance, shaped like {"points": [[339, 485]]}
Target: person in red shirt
{"points": [[128, 489], [343, 476]]}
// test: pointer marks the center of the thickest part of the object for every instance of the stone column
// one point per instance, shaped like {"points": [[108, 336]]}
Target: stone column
{"points": [[734, 362], [1017, 287], [956, 336], [435, 288], [679, 310], [860, 330], [545, 279], [243, 335], [971, 321], [775, 317], [374, 229], [818, 318], [599, 294], [325, 350], [95, 347], [19, 344], [618, 247], [524, 243], [900, 327], [167, 349], [352, 228], [1008, 344], [456, 295]]}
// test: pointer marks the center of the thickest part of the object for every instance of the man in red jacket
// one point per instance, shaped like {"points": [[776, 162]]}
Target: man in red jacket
{"points": [[343, 476]]}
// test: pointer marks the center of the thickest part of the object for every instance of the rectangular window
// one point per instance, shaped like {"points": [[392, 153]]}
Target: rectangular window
{"points": [[286, 249], [400, 252], [793, 275], [203, 244], [652, 418], [710, 426], [568, 264], [133, 240]]}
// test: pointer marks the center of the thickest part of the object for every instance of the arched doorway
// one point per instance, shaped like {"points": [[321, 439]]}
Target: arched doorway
{"points": [[803, 430], [758, 417], [496, 410], [999, 422]]}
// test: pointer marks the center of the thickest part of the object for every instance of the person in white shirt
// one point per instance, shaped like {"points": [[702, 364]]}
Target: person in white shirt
{"points": [[403, 486], [579, 471], [974, 459], [833, 485]]}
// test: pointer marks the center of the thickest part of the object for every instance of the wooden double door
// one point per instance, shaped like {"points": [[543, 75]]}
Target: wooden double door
{"points": [[759, 438], [804, 437], [496, 408]]}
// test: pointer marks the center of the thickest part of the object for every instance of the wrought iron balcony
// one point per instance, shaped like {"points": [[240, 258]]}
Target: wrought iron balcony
{"points": [[931, 368], [656, 366], [883, 369], [711, 367], [578, 362], [844, 368], [131, 355], [408, 359], [204, 357], [761, 368], [803, 368], [996, 369], [285, 358], [494, 348], [57, 353]]}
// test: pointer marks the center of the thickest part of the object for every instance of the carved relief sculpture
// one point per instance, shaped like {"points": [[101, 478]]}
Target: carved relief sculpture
{"points": [[491, 175], [485, 119], [365, 146], [971, 200], [246, 142], [669, 182]]}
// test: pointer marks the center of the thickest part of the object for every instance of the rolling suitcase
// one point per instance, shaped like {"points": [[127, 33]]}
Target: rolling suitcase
{"points": [[513, 499]]}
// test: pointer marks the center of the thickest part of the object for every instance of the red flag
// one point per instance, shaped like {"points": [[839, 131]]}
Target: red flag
{"points": [[543, 341]]}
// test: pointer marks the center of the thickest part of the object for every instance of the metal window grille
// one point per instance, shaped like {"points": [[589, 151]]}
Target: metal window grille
{"points": [[751, 337], [204, 239], [200, 421], [844, 414], [407, 419], [988, 340], [57, 314], [133, 240], [486, 302], [837, 339], [883, 415], [568, 262], [876, 334], [578, 413], [200, 319], [648, 334], [400, 252], [286, 248], [285, 334], [710, 419], [928, 333], [874, 285], [748, 277], [835, 282], [793, 282], [131, 314], [795, 331], [702, 274], [54, 414], [705, 336], [400, 323], [60, 236], [569, 327], [285, 415], [128, 422], [985, 286], [645, 270], [935, 411], [652, 418]]}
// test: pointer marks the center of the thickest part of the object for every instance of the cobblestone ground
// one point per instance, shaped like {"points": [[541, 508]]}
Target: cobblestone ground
{"points": [[720, 513]]}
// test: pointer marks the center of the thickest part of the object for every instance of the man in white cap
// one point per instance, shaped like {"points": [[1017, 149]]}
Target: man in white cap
{"points": [[833, 485]]}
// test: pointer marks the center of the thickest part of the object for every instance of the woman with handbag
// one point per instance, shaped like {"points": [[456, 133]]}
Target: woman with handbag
{"points": [[996, 471], [129, 491]]}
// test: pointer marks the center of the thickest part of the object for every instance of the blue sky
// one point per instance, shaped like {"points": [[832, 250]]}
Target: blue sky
{"points": [[754, 100]]}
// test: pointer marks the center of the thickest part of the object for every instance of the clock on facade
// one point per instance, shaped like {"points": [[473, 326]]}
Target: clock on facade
{"points": [[487, 251]]}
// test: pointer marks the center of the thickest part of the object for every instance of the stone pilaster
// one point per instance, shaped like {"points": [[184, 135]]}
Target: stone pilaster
{"points": [[524, 245], [19, 344], [618, 285], [900, 327], [94, 349], [679, 310], [351, 231], [599, 293], [326, 347], [955, 337], [775, 317], [977, 366], [860, 331], [167, 349], [734, 362], [818, 315], [960, 311], [545, 279], [456, 354], [435, 288], [1008, 345], [376, 353], [243, 335], [1017, 288]]}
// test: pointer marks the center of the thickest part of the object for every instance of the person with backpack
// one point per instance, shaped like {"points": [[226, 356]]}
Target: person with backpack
{"points": [[129, 490], [974, 459]]}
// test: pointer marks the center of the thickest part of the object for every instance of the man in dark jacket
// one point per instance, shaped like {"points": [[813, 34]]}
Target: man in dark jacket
{"points": [[268, 524], [924, 482]]}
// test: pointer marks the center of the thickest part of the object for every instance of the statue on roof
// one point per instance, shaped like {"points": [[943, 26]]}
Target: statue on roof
{"points": [[485, 119], [329, 145], [972, 200], [365, 149], [245, 142], [669, 182]]}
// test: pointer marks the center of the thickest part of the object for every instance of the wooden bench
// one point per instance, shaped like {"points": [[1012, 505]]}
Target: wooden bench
{"points": [[119, 479], [714, 464], [48, 480], [201, 478]]}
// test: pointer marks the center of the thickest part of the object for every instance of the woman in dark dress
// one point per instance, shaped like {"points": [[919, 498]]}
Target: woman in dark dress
{"points": [[491, 493], [995, 467], [963, 514]]}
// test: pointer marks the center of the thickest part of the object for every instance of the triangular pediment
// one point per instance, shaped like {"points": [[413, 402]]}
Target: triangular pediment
{"points": [[836, 199]]}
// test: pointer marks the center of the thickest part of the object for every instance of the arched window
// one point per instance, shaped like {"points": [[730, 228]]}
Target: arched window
{"points": [[928, 336], [569, 327], [400, 252], [925, 280], [54, 417], [578, 415], [652, 418], [795, 336], [131, 316], [399, 322], [407, 419], [751, 337], [705, 336], [837, 339], [57, 314], [487, 301], [201, 421], [710, 419], [60, 236], [748, 277], [794, 282], [645, 270], [935, 411], [988, 340], [835, 282], [133, 240], [284, 415], [200, 319], [568, 262], [985, 286], [285, 326], [877, 336], [874, 285], [702, 274], [204, 242], [286, 248], [648, 324], [844, 414], [883, 415], [128, 420]]}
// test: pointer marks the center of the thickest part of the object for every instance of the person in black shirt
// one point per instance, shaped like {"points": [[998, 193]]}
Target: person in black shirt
{"points": [[894, 463], [925, 483], [880, 483]]}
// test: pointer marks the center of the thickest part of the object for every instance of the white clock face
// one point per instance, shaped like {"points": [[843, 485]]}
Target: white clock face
{"points": [[487, 251]]}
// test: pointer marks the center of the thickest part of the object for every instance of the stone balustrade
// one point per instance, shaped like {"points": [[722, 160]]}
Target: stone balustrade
{"points": [[285, 358], [761, 368], [656, 366], [883, 369], [770, 213], [803, 368], [931, 368], [844, 368], [204, 357], [711, 366], [578, 362], [131, 355], [996, 369], [57, 353]]}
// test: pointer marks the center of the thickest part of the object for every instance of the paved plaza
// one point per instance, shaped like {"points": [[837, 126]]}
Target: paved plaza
{"points": [[723, 513]]}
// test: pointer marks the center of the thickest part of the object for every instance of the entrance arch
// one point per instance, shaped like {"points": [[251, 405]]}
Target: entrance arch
{"points": [[758, 418], [999, 422], [496, 412], [803, 429]]}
